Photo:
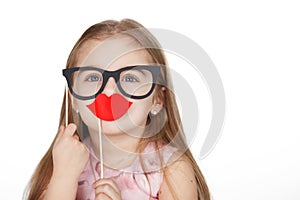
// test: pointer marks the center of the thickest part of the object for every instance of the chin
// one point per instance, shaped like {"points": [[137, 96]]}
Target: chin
{"points": [[123, 126], [111, 128]]}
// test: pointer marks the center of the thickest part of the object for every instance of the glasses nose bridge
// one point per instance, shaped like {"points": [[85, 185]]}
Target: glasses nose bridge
{"points": [[115, 75], [109, 87]]}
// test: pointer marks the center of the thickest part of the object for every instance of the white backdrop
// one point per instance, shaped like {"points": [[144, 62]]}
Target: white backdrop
{"points": [[255, 46]]}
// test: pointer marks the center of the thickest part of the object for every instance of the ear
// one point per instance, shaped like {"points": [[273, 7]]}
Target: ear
{"points": [[158, 103], [156, 108]]}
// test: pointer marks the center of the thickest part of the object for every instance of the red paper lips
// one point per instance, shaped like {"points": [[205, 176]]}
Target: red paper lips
{"points": [[109, 108]]}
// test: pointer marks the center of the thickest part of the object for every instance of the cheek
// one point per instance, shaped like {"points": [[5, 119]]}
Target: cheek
{"points": [[86, 115], [139, 111], [134, 121]]}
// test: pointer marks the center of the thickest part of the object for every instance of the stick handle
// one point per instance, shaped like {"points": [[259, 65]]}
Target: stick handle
{"points": [[100, 149], [66, 105]]}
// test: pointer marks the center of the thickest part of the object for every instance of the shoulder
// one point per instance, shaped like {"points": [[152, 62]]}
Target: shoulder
{"points": [[179, 179]]}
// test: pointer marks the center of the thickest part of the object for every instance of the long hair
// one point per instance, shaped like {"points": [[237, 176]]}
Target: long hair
{"points": [[171, 131]]}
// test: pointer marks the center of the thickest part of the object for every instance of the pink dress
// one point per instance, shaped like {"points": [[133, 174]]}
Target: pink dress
{"points": [[131, 181]]}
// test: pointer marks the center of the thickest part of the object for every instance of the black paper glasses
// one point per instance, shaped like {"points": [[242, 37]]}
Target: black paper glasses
{"points": [[136, 82]]}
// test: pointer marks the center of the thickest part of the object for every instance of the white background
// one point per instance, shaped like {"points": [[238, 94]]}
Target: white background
{"points": [[255, 46]]}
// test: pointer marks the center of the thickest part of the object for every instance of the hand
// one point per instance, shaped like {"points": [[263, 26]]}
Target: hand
{"points": [[106, 189], [70, 156]]}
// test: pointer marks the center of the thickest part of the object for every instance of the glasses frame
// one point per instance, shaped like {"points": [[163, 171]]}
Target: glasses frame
{"points": [[154, 69]]}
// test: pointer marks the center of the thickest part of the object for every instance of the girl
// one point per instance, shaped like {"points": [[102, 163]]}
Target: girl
{"points": [[125, 138]]}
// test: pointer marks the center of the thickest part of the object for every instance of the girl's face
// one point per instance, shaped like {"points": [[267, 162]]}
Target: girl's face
{"points": [[110, 55]]}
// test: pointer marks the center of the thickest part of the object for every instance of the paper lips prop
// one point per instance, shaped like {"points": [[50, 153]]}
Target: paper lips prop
{"points": [[109, 108]]}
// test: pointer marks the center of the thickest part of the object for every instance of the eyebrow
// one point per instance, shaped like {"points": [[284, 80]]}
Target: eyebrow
{"points": [[100, 67]]}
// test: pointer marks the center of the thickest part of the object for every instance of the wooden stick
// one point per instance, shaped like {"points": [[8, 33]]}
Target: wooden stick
{"points": [[100, 148], [66, 102]]}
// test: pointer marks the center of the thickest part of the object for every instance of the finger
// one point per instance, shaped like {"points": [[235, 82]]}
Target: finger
{"points": [[106, 181], [70, 130], [76, 137], [102, 196], [107, 190]]}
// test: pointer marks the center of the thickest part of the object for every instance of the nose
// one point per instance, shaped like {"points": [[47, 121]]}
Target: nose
{"points": [[110, 87]]}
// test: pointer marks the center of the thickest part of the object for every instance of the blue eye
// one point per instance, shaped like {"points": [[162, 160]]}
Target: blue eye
{"points": [[130, 78], [93, 78]]}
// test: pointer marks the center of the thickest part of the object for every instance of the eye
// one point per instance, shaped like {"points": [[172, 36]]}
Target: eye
{"points": [[130, 78], [93, 78]]}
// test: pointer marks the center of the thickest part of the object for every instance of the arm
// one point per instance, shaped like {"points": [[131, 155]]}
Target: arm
{"points": [[61, 188], [179, 181]]}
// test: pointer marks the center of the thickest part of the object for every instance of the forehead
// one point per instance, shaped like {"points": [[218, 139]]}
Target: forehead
{"points": [[112, 53]]}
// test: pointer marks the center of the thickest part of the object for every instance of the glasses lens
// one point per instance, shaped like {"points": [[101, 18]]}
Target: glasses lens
{"points": [[136, 82], [87, 82]]}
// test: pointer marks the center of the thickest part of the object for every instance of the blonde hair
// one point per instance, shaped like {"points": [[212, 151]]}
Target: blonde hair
{"points": [[172, 126]]}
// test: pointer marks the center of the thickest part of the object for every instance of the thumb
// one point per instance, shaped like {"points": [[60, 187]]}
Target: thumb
{"points": [[70, 130]]}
